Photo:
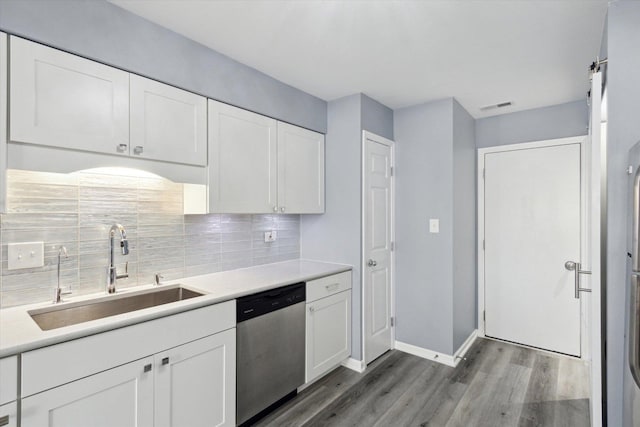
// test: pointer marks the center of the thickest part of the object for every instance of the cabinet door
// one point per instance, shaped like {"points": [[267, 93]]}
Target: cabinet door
{"points": [[195, 383], [3, 118], [9, 415], [300, 170], [121, 397], [67, 101], [328, 337], [167, 123], [242, 161]]}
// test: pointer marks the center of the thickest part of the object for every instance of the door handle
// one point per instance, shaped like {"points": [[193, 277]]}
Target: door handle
{"points": [[372, 263], [576, 267]]}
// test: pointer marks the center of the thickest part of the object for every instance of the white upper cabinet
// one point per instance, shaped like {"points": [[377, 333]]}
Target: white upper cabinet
{"points": [[167, 123], [300, 170], [64, 100], [259, 165], [242, 161]]}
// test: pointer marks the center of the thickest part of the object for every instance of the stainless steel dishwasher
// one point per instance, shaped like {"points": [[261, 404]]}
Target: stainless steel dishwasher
{"points": [[270, 350]]}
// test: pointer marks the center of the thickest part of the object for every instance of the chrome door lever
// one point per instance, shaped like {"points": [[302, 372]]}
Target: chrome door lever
{"points": [[372, 263], [576, 268]]}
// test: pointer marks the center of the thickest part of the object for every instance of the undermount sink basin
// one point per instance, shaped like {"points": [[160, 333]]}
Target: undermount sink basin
{"points": [[57, 317]]}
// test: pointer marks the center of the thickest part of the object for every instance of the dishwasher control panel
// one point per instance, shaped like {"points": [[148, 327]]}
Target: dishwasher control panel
{"points": [[265, 302]]}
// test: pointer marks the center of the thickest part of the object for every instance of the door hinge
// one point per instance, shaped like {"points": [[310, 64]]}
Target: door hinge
{"points": [[393, 246], [483, 172], [391, 171], [483, 244], [484, 316], [392, 321]]}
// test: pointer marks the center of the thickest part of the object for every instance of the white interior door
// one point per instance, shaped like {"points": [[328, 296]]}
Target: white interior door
{"points": [[532, 226], [377, 190]]}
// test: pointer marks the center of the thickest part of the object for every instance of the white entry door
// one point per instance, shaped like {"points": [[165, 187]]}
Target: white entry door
{"points": [[377, 192], [532, 223]]}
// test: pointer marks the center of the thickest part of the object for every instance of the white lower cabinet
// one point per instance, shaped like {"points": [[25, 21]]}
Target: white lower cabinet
{"points": [[189, 385], [195, 383], [177, 370], [121, 396], [328, 324]]}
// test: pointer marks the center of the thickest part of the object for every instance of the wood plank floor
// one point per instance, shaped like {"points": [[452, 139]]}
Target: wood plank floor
{"points": [[499, 384]]}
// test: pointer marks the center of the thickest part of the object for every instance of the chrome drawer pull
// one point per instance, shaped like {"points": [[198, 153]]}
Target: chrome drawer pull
{"points": [[332, 287]]}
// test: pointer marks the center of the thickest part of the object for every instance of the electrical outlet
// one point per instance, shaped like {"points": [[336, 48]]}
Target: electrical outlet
{"points": [[25, 255], [434, 225], [270, 236]]}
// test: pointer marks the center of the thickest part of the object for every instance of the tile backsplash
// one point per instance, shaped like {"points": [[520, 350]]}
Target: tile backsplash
{"points": [[77, 210]]}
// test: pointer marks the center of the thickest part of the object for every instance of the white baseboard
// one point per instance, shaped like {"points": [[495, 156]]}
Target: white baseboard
{"points": [[445, 359], [459, 354], [354, 365], [435, 356]]}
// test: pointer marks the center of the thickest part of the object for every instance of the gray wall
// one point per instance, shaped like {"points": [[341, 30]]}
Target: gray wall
{"points": [[623, 80], [464, 226], [424, 189], [556, 121], [337, 234], [376, 117], [104, 32]]}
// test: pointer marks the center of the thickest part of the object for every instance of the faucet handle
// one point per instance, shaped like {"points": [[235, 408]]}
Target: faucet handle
{"points": [[126, 272]]}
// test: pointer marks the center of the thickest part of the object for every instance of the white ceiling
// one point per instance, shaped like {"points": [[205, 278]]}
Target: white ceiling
{"points": [[401, 53]]}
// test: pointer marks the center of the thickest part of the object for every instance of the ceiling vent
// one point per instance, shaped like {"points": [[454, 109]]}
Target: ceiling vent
{"points": [[498, 105]]}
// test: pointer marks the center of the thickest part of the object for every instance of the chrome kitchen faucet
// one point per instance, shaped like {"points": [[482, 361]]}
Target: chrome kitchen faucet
{"points": [[57, 295], [112, 274]]}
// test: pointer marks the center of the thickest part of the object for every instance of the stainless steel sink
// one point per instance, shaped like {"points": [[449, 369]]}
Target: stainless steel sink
{"points": [[57, 317]]}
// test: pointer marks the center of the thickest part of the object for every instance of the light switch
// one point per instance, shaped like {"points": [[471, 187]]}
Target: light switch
{"points": [[270, 236], [434, 225], [25, 255]]}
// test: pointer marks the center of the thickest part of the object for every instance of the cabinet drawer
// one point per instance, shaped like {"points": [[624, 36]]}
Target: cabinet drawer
{"points": [[8, 379], [50, 367], [325, 286], [9, 415]]}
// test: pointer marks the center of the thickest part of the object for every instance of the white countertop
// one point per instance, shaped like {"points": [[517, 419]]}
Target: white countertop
{"points": [[19, 333]]}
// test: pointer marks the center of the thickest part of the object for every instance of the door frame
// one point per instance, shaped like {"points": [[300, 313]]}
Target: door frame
{"points": [[585, 231], [391, 144]]}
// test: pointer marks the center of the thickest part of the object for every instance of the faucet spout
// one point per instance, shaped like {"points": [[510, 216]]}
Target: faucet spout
{"points": [[112, 274], [57, 295]]}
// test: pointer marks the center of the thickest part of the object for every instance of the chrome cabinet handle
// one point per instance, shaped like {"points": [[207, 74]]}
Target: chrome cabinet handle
{"points": [[165, 360], [311, 309], [332, 287], [147, 368], [4, 421], [576, 268], [372, 263], [122, 148], [138, 149], [282, 209], [275, 209]]}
